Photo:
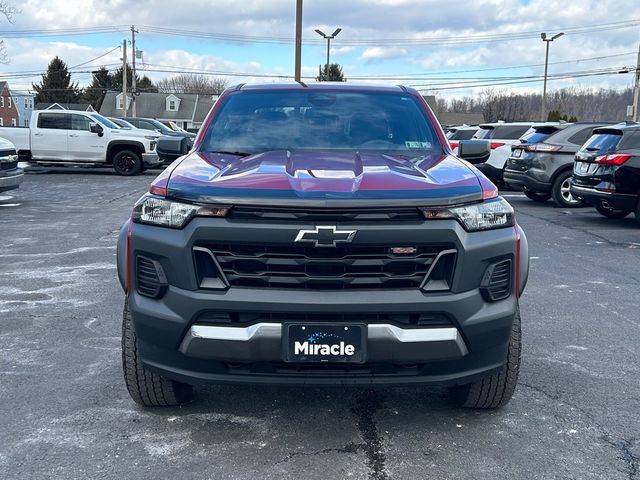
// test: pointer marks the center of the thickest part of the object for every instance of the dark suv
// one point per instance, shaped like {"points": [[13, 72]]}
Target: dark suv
{"points": [[606, 173], [322, 234], [543, 164]]}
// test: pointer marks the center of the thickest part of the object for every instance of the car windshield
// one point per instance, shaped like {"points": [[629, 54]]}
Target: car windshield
{"points": [[104, 120], [254, 122]]}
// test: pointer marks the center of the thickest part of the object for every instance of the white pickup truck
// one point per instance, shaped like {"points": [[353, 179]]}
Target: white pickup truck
{"points": [[77, 137]]}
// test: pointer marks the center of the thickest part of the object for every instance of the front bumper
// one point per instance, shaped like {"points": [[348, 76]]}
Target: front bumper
{"points": [[176, 339], [151, 159], [617, 201], [10, 179]]}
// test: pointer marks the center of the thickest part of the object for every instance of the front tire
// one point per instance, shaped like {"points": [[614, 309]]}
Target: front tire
{"points": [[145, 387], [537, 196], [496, 390], [561, 191], [612, 212], [127, 163]]}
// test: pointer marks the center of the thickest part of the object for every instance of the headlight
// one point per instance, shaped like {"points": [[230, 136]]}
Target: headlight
{"points": [[151, 137], [166, 213], [477, 216]]}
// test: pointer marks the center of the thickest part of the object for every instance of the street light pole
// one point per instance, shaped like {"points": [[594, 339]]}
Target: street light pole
{"points": [[298, 59], [328, 38], [547, 40]]}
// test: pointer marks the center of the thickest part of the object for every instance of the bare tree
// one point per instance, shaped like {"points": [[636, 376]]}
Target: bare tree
{"points": [[192, 83], [8, 11]]}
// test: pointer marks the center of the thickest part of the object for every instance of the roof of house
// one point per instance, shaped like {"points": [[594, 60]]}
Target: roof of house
{"points": [[192, 107], [63, 106]]}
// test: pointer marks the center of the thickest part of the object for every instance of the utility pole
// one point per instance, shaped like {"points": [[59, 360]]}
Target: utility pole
{"points": [[636, 89], [134, 89], [328, 38], [124, 78], [298, 60], [547, 40]]}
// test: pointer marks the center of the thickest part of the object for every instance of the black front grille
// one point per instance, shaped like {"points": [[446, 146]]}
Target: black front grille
{"points": [[320, 215], [496, 284], [8, 165], [401, 319], [150, 278], [323, 268]]}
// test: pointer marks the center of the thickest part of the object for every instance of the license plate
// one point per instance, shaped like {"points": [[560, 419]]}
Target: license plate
{"points": [[583, 167], [320, 342], [516, 153]]}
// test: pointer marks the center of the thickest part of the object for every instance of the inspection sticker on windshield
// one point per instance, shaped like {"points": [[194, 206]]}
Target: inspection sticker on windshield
{"points": [[417, 144]]}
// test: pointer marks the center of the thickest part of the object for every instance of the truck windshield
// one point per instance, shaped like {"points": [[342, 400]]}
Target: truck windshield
{"points": [[256, 122], [103, 120]]}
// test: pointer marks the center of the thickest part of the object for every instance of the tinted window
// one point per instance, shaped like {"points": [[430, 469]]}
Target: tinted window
{"points": [[510, 132], [581, 136], [462, 134], [146, 125], [630, 140], [79, 122], [322, 120], [538, 135], [484, 133], [602, 143], [54, 121]]}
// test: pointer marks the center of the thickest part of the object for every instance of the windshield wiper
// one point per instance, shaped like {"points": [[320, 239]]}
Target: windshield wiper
{"points": [[230, 152]]}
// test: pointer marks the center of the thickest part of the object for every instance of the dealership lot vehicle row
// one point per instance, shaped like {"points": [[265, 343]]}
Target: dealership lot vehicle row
{"points": [[66, 413]]}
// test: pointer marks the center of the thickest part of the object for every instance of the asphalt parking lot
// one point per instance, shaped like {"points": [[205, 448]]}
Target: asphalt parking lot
{"points": [[65, 413]]}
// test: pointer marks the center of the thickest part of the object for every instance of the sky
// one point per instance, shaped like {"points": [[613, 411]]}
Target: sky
{"points": [[449, 48]]}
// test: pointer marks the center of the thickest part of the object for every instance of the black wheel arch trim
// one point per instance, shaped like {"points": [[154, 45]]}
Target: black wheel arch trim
{"points": [[126, 143]]}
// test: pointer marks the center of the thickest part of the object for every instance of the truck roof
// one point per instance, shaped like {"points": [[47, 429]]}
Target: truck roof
{"points": [[322, 86]]}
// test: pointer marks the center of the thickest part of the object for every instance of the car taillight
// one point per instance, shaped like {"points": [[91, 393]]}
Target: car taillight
{"points": [[542, 147], [612, 159], [495, 145], [454, 144]]}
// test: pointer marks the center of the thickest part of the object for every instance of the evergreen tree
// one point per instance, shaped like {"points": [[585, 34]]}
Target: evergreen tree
{"points": [[100, 83], [143, 84], [56, 85], [335, 73]]}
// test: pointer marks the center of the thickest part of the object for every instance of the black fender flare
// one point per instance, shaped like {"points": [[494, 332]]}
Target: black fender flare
{"points": [[126, 143]]}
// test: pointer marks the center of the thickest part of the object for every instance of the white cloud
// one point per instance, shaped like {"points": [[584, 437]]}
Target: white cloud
{"points": [[379, 53]]}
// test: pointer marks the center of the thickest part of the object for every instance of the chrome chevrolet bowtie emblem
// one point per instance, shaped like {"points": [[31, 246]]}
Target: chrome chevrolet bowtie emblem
{"points": [[328, 236]]}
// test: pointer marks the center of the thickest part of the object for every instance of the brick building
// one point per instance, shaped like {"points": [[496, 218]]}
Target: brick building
{"points": [[8, 111]]}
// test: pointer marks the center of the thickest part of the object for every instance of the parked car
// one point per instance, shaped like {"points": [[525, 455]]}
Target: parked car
{"points": [[122, 123], [11, 175], [606, 172], [153, 125], [542, 166], [499, 134], [156, 126], [462, 132], [79, 137], [346, 245]]}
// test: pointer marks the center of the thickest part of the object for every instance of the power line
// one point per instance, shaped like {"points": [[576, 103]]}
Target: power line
{"points": [[389, 41]]}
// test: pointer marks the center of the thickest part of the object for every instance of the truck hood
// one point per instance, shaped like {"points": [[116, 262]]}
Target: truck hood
{"points": [[303, 178], [133, 134]]}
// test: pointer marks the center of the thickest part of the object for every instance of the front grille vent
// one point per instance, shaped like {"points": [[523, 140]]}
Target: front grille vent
{"points": [[313, 268], [151, 279], [401, 319], [496, 282], [324, 215]]}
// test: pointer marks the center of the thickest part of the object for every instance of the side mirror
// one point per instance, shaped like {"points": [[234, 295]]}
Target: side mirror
{"points": [[474, 151], [172, 146], [95, 128]]}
